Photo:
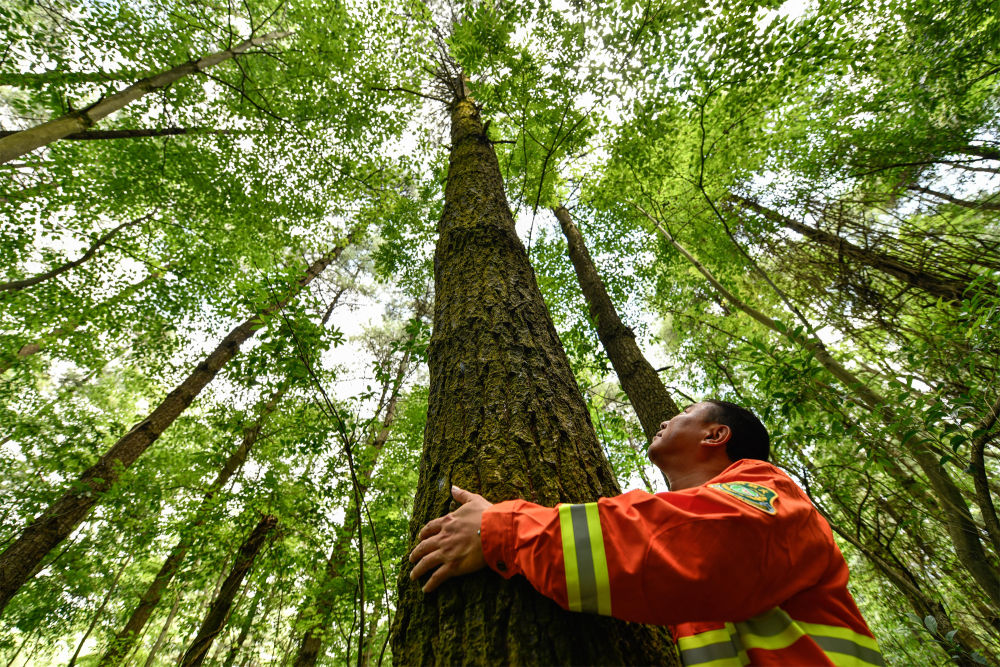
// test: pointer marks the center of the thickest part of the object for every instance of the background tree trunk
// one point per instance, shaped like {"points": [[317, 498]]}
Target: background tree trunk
{"points": [[162, 637], [947, 289], [215, 620], [25, 141], [22, 557], [244, 631], [128, 635], [505, 418], [640, 382], [321, 608]]}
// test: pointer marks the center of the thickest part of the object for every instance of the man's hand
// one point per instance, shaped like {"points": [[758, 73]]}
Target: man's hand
{"points": [[451, 544]]}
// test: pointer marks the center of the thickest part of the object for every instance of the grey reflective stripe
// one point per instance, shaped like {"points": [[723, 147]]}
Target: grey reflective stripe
{"points": [[768, 624], [584, 559], [696, 656], [847, 647]]}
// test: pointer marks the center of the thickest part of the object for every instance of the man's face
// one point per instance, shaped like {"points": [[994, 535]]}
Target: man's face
{"points": [[679, 438]]}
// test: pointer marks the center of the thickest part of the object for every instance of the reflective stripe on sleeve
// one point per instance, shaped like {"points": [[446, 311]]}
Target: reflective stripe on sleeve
{"points": [[587, 584], [775, 630], [843, 646]]}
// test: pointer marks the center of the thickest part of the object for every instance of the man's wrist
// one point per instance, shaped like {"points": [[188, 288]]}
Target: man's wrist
{"points": [[496, 534]]}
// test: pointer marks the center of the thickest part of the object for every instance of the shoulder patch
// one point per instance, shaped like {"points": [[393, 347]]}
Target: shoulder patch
{"points": [[752, 494]]}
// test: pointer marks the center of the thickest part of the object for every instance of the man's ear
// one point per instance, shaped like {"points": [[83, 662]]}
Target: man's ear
{"points": [[718, 434]]}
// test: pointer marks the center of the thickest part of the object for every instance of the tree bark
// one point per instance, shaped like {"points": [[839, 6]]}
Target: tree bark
{"points": [[50, 528], [132, 629], [244, 632], [987, 152], [505, 418], [91, 135], [162, 637], [216, 617], [25, 141], [15, 285], [935, 285], [640, 382]]}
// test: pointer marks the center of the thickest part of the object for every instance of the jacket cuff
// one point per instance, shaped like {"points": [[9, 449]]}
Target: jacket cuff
{"points": [[496, 532]]}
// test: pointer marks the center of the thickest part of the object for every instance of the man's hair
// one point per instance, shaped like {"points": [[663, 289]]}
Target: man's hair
{"points": [[749, 439]]}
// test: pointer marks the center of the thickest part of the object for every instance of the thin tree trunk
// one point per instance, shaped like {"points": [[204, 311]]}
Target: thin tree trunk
{"points": [[91, 135], [640, 382], [505, 418], [319, 611], [25, 141], [215, 620], [959, 522], [64, 515], [370, 646], [128, 635], [981, 205], [987, 152], [29, 349], [162, 637], [15, 285], [935, 285], [244, 631], [100, 610]]}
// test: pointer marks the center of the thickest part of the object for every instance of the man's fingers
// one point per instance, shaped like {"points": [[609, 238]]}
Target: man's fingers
{"points": [[426, 564], [424, 548], [440, 575], [433, 527], [463, 496]]}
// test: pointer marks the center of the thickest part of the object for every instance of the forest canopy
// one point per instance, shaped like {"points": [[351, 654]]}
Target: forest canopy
{"points": [[220, 321]]}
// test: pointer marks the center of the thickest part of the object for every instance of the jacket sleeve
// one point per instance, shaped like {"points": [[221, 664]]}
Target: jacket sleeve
{"points": [[701, 554]]}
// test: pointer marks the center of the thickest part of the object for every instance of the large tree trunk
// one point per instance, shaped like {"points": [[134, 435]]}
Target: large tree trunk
{"points": [[25, 141], [935, 285], [50, 528], [646, 392], [216, 617], [128, 635], [505, 418], [319, 611]]}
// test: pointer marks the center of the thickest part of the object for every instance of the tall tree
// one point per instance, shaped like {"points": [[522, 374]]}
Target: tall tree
{"points": [[640, 382], [505, 418], [218, 612], [23, 557], [25, 141]]}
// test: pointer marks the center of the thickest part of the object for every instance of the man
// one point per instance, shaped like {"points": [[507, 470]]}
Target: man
{"points": [[735, 559]]}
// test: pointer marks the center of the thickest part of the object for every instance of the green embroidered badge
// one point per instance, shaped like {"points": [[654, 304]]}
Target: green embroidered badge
{"points": [[752, 494]]}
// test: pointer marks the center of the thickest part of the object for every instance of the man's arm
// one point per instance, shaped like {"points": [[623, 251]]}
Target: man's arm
{"points": [[697, 554]]}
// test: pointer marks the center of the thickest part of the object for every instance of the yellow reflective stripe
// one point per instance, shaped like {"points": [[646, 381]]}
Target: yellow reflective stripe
{"points": [[704, 639], [569, 557], [713, 648], [840, 633], [844, 647], [602, 580], [772, 631]]}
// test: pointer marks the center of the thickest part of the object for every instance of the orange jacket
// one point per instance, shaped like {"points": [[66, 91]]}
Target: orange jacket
{"points": [[743, 568]]}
